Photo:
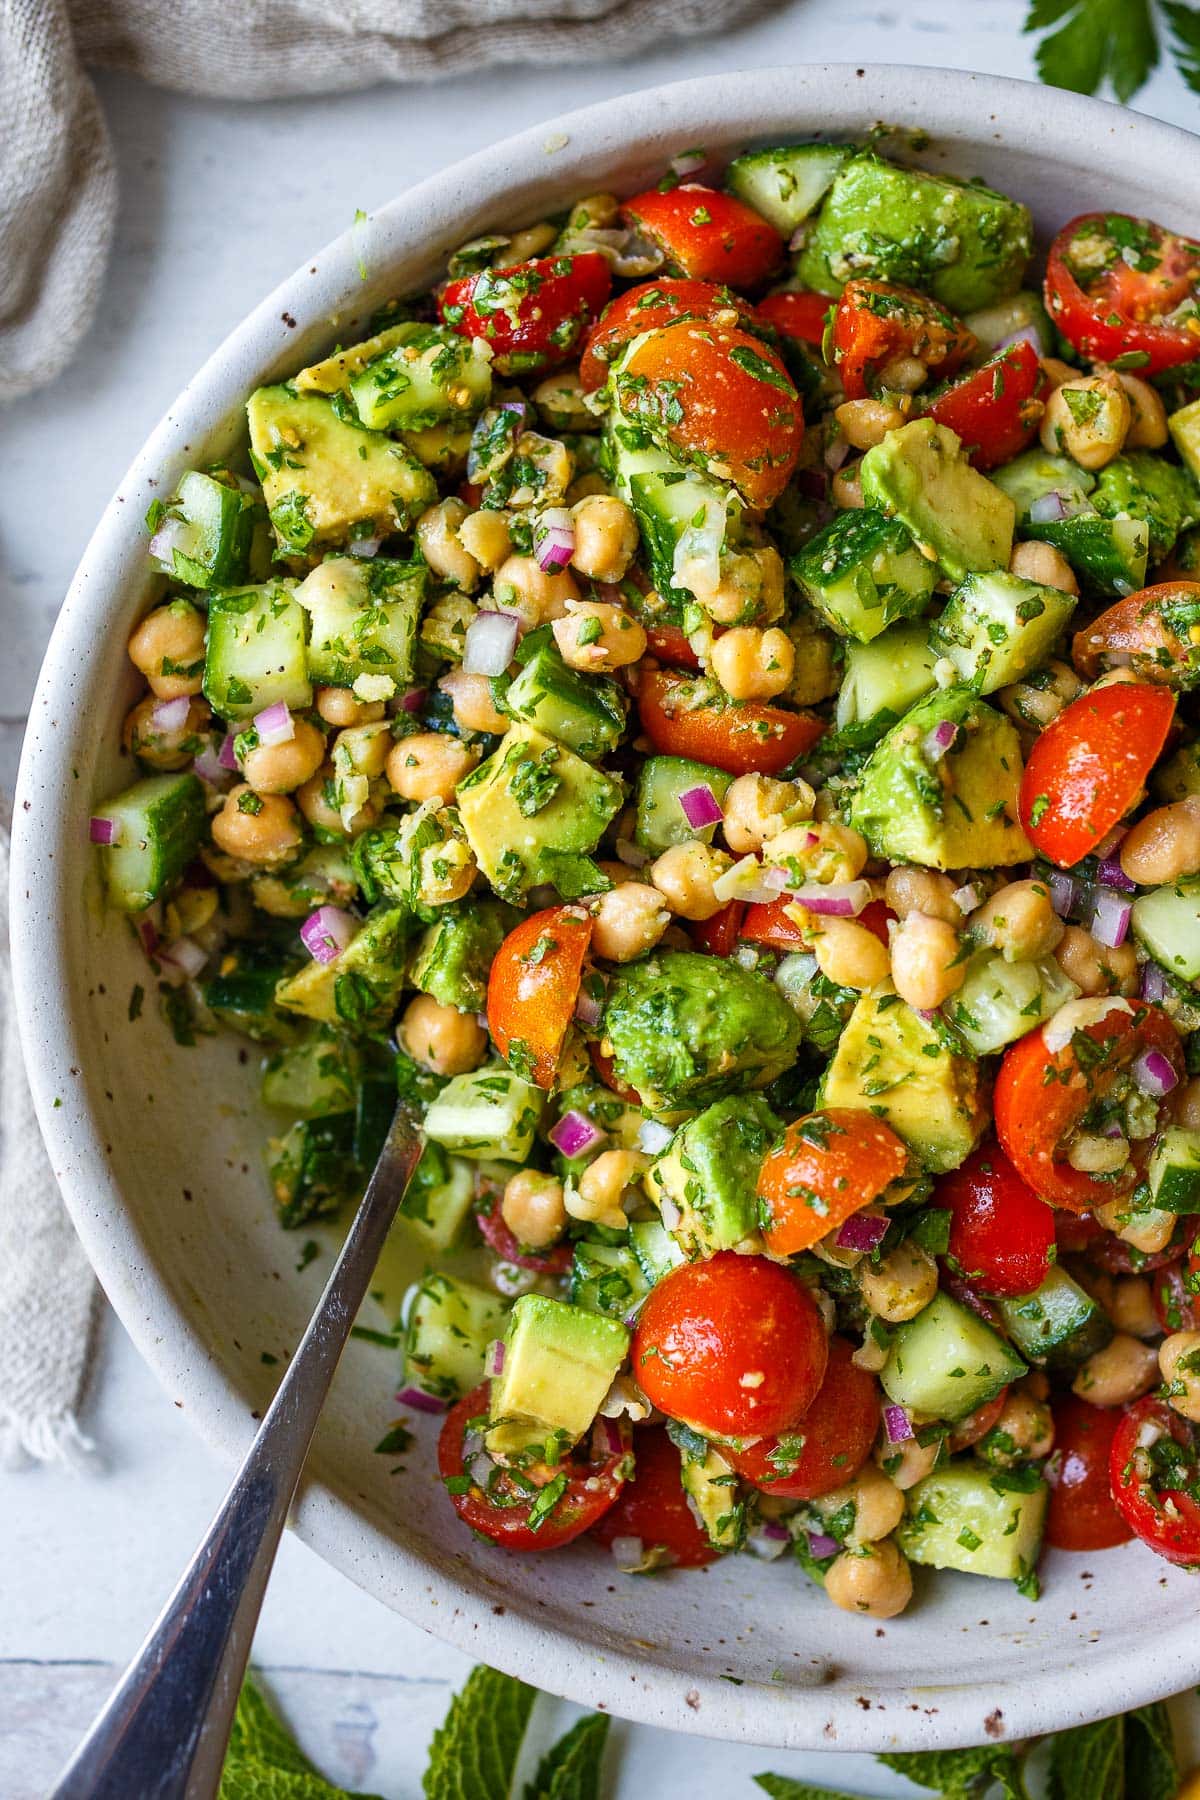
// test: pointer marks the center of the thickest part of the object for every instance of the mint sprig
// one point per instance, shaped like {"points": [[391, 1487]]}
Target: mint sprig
{"points": [[474, 1752], [1086, 44]]}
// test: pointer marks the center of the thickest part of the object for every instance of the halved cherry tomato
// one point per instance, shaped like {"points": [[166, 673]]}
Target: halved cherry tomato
{"points": [[827, 1166], [1041, 1096], [766, 922], [1075, 1233], [1175, 1295], [502, 1511], [1154, 1468], [719, 396], [877, 916], [533, 314], [652, 1506], [533, 988], [976, 1425], [1089, 765], [648, 307], [995, 409], [733, 1346], [707, 235], [500, 1240], [1001, 1234], [966, 1295], [1155, 632], [1116, 1257], [1081, 1514], [606, 1069], [1120, 286], [830, 1443], [682, 718], [718, 935], [876, 321], [670, 644], [796, 315]]}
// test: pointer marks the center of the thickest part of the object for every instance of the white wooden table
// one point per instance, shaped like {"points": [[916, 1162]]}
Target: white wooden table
{"points": [[218, 202]]}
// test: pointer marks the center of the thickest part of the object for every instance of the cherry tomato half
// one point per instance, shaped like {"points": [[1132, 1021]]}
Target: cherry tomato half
{"points": [[652, 1506], [533, 988], [876, 322], [796, 315], [741, 736], [1001, 1234], [1089, 765], [670, 644], [733, 1346], [1175, 1295], [767, 922], [828, 1445], [995, 409], [718, 936], [1152, 632], [648, 307], [1081, 1514], [503, 1510], [1120, 286], [1116, 1257], [976, 1425], [707, 235], [827, 1166], [1154, 1468], [534, 314]]}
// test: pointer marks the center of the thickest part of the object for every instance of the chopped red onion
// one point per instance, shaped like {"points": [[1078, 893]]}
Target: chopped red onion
{"points": [[820, 1546], [417, 1397], [669, 1213], [226, 755], [939, 740], [1154, 1073], [170, 717], [967, 897], [186, 956], [575, 1134], [1064, 892], [627, 1553], [1153, 984], [629, 1319], [653, 1137], [413, 701], [768, 1540], [608, 1436], [836, 452], [862, 1231], [1110, 841], [1110, 918], [148, 932], [898, 1425], [1028, 334], [1112, 875], [776, 879], [687, 162], [834, 899], [103, 831], [365, 547], [490, 642], [700, 807], [326, 932], [554, 539], [207, 765], [774, 1529], [589, 1008], [274, 725], [493, 1362]]}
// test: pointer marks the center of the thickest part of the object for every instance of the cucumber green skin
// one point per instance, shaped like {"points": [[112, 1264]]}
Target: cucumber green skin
{"points": [[587, 715], [256, 652], [967, 1499], [450, 1325], [1108, 555], [445, 363], [786, 184], [863, 572], [224, 520], [1057, 1326], [656, 1251], [243, 997], [1147, 487], [1166, 920], [312, 1079], [312, 1169], [660, 818], [996, 628], [607, 1279], [881, 680], [161, 821], [1036, 473], [926, 1352], [1174, 1172]]}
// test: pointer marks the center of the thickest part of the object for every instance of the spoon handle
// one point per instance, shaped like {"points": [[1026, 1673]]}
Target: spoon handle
{"points": [[164, 1733]]}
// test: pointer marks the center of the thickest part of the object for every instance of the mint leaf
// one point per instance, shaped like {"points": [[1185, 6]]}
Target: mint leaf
{"points": [[475, 1750], [264, 1762], [1185, 31], [1097, 40], [1151, 1771], [782, 1787], [1089, 1762], [960, 1774], [570, 1770]]}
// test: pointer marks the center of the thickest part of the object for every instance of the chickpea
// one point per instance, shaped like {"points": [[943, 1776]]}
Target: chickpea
{"points": [[1040, 697], [596, 636], [629, 920], [560, 400], [440, 1037], [437, 534], [166, 750], [757, 807], [914, 890], [603, 1185], [484, 536], [429, 765], [749, 585], [554, 464], [595, 212], [1056, 371], [535, 240], [1148, 426], [878, 1505], [257, 828], [874, 1580], [864, 423], [168, 648], [606, 537], [362, 750], [846, 487], [1020, 921], [925, 961], [1124, 1370], [584, 486], [536, 595], [282, 768], [684, 876], [847, 953], [1023, 1432], [533, 1208], [1093, 967], [1186, 1110], [471, 697], [321, 801], [753, 665], [1179, 1361], [907, 1463], [1087, 419], [1132, 1307], [1149, 1231], [899, 1286], [1094, 1155], [823, 851], [1164, 846], [1045, 565], [817, 673], [903, 375], [341, 706]]}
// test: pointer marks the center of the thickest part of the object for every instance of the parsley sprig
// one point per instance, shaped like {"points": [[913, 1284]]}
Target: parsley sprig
{"points": [[1088, 43]]}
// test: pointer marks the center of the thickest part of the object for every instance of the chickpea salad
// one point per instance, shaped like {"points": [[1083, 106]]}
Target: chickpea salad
{"points": [[699, 705]]}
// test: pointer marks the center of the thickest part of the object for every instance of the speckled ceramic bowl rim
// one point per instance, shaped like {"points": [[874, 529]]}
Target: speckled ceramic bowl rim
{"points": [[836, 99]]}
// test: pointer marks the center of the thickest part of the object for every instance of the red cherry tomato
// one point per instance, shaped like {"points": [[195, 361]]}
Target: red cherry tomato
{"points": [[733, 1346], [995, 409], [669, 643], [766, 922], [976, 1425], [1116, 1257], [1075, 1233], [1117, 285], [606, 1069], [652, 1506], [877, 916], [707, 235], [827, 1166], [740, 736], [966, 1295], [718, 935], [1001, 1234], [533, 314], [1081, 1514], [502, 1510], [1090, 764], [1149, 632], [648, 307], [1041, 1096], [796, 315], [533, 989], [876, 321], [1175, 1293], [500, 1240], [829, 1444], [1154, 1468]]}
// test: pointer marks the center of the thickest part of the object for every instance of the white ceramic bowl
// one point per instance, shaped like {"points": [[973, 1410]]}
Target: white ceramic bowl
{"points": [[158, 1148]]}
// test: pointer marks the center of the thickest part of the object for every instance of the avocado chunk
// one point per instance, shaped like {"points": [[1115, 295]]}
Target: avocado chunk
{"points": [[919, 475], [326, 480], [711, 1484], [880, 681], [559, 1362], [454, 954], [982, 1522], [952, 809], [332, 375], [684, 1029], [893, 1063], [996, 628], [532, 812], [710, 1173], [358, 989], [1184, 427], [363, 621], [1162, 496], [488, 1113], [863, 572]]}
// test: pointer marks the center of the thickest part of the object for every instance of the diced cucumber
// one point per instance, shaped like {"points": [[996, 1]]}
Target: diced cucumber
{"points": [[863, 572], [963, 1517], [211, 525], [880, 681], [667, 500], [788, 183], [157, 827], [313, 1078], [1058, 1325], [606, 1278], [256, 651], [428, 375], [711, 1485], [1037, 473], [947, 1362], [996, 628], [1174, 1172], [439, 1199], [587, 713], [559, 1363], [656, 1251], [1148, 488], [994, 325], [1108, 555], [312, 1169], [489, 1113], [1000, 1001], [358, 989], [242, 995], [363, 620], [1167, 921], [450, 1325], [661, 821]]}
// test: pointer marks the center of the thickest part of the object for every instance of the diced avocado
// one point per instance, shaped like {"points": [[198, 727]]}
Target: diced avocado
{"points": [[312, 1170], [996, 628], [982, 1522], [788, 183], [947, 1362], [157, 825], [999, 1001], [428, 375], [363, 620], [450, 1325], [606, 1278], [313, 1078], [1184, 427], [532, 812], [955, 809], [667, 500], [656, 1251], [1179, 776], [242, 995], [1174, 1171], [661, 820], [880, 681], [584, 712], [684, 1029], [1140, 485], [710, 1173], [918, 474], [489, 1113], [1058, 1325], [957, 240], [1167, 921], [454, 954], [327, 480], [207, 531], [559, 1362], [439, 1199], [358, 989], [994, 325], [255, 653], [324, 875], [863, 572], [711, 1484]]}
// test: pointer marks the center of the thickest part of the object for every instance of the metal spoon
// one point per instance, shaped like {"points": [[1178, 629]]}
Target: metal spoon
{"points": [[164, 1733]]}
